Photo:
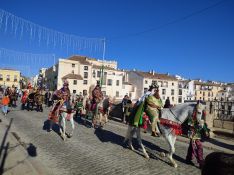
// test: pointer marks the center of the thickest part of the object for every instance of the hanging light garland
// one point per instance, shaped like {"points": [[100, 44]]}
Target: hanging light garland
{"points": [[20, 60], [24, 28]]}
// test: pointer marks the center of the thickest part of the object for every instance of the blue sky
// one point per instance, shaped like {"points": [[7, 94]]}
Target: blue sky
{"points": [[200, 45]]}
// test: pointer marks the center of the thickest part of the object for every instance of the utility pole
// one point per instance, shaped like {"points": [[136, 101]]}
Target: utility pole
{"points": [[103, 57]]}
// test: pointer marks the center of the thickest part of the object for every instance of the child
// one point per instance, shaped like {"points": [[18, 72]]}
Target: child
{"points": [[5, 102], [146, 121]]}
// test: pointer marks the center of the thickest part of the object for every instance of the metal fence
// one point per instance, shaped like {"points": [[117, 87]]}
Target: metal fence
{"points": [[223, 110]]}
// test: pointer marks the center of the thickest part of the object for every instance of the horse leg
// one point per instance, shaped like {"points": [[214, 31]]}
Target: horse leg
{"points": [[129, 136], [138, 131], [171, 141], [72, 125], [132, 132], [62, 129]]}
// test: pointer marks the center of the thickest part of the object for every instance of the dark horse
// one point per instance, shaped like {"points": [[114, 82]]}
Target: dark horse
{"points": [[218, 163], [30, 101]]}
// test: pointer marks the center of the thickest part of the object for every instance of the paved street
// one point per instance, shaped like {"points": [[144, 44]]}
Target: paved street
{"points": [[92, 151]]}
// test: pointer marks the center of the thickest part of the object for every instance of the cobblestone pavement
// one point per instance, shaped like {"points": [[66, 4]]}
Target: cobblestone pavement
{"points": [[92, 151]]}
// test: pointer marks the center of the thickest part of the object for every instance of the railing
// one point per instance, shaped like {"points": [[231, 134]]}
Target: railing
{"points": [[223, 110]]}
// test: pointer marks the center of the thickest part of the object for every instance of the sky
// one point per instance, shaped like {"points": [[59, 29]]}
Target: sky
{"points": [[191, 38]]}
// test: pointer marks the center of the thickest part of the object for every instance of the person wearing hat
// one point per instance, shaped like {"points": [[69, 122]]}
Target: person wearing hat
{"points": [[135, 117], [97, 97], [153, 107]]}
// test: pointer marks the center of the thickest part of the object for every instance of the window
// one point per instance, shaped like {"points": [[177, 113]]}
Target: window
{"points": [[173, 98], [15, 78], [74, 91], [1, 77], [164, 91], [204, 94], [117, 93], [117, 82], [154, 82], [164, 98], [94, 74], [74, 82], [85, 92], [180, 91], [85, 82], [109, 82], [172, 92], [104, 93], [86, 68], [85, 74], [180, 100], [208, 94], [73, 65], [145, 90], [172, 84], [146, 81], [98, 73], [8, 78], [72, 71]]}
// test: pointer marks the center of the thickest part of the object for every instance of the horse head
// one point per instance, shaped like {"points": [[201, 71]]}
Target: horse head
{"points": [[200, 109]]}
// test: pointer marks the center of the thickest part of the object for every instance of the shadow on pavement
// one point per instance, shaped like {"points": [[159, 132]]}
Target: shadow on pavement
{"points": [[221, 144], [55, 126], [108, 136], [4, 148]]}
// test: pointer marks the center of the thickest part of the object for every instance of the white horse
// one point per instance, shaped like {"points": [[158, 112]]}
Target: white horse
{"points": [[66, 115], [176, 115]]}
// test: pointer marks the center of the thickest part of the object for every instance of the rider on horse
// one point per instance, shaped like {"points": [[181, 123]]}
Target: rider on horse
{"points": [[97, 97], [58, 96], [153, 107]]}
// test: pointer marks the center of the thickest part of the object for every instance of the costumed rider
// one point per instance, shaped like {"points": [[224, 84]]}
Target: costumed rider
{"points": [[136, 116], [59, 96], [196, 127], [97, 98], [152, 109]]}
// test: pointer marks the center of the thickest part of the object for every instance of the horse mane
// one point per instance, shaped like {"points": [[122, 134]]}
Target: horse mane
{"points": [[181, 107]]}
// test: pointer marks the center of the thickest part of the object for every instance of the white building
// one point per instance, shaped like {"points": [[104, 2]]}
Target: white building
{"points": [[186, 90], [83, 73], [168, 85]]}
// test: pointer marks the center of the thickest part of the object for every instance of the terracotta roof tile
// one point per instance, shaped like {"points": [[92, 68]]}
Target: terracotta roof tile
{"points": [[156, 76], [73, 76], [105, 67], [206, 84], [81, 59]]}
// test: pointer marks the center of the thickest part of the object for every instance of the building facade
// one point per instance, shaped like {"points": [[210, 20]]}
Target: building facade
{"points": [[9, 77], [82, 73], [207, 91], [186, 90], [168, 85]]}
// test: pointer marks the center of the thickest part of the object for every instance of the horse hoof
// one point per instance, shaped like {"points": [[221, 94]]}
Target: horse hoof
{"points": [[69, 135], [147, 157], [63, 137], [175, 165], [162, 154]]}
